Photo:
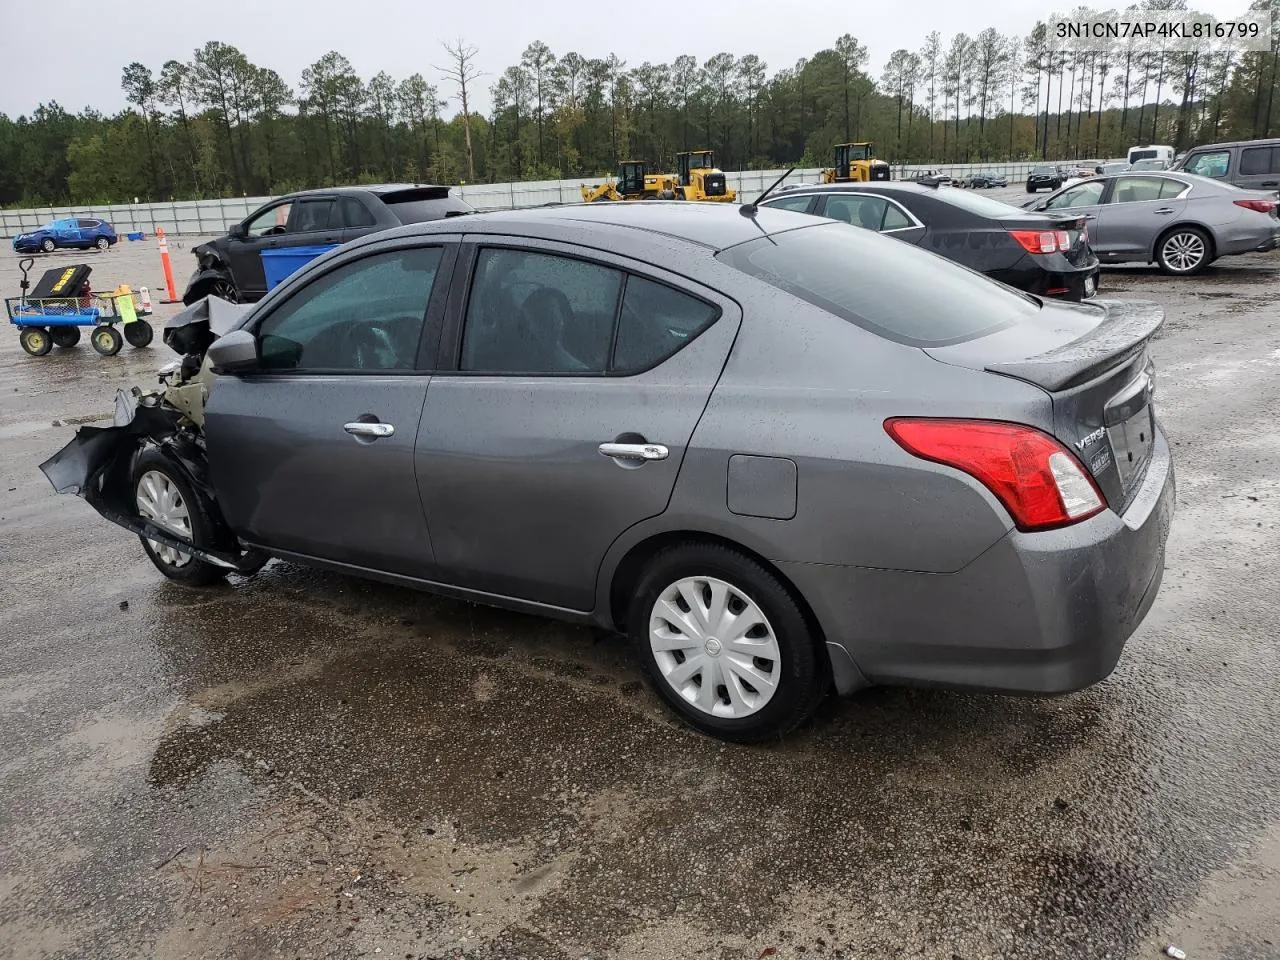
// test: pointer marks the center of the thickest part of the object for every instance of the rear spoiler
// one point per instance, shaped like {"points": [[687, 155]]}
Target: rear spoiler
{"points": [[1126, 328]]}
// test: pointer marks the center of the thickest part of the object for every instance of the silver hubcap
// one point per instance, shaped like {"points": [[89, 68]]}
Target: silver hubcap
{"points": [[160, 502], [1184, 251], [714, 647]]}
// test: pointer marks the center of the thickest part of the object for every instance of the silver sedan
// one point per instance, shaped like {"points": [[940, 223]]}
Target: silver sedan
{"points": [[1178, 221]]}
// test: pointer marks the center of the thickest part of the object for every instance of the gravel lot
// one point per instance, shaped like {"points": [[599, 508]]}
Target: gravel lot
{"points": [[306, 765]]}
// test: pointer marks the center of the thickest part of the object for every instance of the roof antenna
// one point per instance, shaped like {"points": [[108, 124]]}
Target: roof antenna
{"points": [[749, 209]]}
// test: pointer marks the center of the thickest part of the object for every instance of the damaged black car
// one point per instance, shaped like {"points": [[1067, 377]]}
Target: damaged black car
{"points": [[231, 268]]}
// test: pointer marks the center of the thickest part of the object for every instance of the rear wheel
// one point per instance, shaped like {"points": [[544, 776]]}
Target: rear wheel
{"points": [[35, 340], [106, 340], [47, 245], [164, 496], [64, 336], [725, 644], [1183, 251], [139, 333]]}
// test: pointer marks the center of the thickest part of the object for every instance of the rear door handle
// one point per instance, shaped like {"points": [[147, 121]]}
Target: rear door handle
{"points": [[1164, 211], [371, 430], [634, 451], [1271, 183]]}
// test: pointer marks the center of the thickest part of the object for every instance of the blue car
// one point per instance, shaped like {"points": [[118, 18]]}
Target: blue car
{"points": [[78, 234]]}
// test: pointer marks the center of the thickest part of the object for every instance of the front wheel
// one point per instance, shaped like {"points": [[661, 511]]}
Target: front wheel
{"points": [[225, 290], [102, 244], [35, 340], [47, 245], [106, 340], [725, 644], [164, 496], [1184, 251]]}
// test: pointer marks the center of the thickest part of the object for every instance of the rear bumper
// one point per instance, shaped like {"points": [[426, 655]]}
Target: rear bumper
{"points": [[1249, 241], [1037, 613]]}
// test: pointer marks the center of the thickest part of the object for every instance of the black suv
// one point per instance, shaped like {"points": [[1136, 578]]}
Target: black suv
{"points": [[1044, 177], [230, 267]]}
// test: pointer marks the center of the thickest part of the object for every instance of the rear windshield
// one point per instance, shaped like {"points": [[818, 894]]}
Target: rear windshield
{"points": [[415, 206], [982, 206], [891, 288]]}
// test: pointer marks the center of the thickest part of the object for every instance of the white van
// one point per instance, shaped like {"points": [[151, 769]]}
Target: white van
{"points": [[1150, 152]]}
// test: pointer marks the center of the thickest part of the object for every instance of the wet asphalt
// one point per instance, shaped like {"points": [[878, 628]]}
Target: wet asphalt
{"points": [[301, 764]]}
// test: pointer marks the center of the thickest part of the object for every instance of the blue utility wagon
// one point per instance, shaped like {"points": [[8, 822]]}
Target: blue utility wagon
{"points": [[62, 302]]}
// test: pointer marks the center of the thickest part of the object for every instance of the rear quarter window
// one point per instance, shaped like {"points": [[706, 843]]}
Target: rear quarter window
{"points": [[893, 289]]}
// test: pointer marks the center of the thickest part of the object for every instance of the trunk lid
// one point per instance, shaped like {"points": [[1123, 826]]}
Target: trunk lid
{"points": [[1093, 360]]}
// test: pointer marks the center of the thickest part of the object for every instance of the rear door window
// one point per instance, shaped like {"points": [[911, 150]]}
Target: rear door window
{"points": [[898, 291], [353, 213], [1137, 189], [1259, 161], [538, 313], [311, 215], [860, 211]]}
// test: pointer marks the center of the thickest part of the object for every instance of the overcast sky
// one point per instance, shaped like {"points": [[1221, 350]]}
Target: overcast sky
{"points": [[73, 50]]}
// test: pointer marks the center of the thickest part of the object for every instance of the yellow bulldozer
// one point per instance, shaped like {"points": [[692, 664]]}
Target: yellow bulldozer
{"points": [[855, 162], [634, 182], [701, 179]]}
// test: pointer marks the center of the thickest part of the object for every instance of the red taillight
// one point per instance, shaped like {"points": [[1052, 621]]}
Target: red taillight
{"points": [[1036, 241], [1262, 206], [1037, 479]]}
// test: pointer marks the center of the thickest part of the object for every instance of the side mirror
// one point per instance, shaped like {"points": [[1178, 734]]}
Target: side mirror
{"points": [[238, 231], [234, 352]]}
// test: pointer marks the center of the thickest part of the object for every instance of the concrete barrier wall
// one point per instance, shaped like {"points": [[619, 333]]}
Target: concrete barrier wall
{"points": [[211, 217]]}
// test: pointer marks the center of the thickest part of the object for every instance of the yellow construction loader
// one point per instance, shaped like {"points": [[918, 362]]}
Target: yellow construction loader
{"points": [[634, 182], [700, 179], [855, 162]]}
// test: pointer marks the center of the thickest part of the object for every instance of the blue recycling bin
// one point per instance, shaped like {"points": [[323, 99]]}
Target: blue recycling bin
{"points": [[278, 263]]}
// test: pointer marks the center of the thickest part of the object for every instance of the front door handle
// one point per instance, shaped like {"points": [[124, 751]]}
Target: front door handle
{"points": [[1271, 183], [370, 430], [634, 451]]}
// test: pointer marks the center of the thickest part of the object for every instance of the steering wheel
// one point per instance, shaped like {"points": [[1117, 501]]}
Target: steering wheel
{"points": [[368, 346]]}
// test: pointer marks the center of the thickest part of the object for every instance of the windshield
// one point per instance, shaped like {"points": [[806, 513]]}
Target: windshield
{"points": [[893, 289]]}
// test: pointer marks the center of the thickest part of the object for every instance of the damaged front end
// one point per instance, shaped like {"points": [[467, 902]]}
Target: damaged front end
{"points": [[212, 276], [97, 464]]}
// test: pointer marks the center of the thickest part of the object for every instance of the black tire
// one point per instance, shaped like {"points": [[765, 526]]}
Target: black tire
{"points": [[103, 244], [48, 245], [224, 289], [106, 340], [64, 336], [802, 669], [1031, 189], [1184, 251], [680, 194], [35, 340], [139, 333], [189, 571]]}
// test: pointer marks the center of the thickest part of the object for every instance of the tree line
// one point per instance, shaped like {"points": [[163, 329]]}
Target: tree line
{"points": [[219, 125]]}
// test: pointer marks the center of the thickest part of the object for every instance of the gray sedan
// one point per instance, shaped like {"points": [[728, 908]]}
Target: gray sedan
{"points": [[695, 424], [1177, 220]]}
